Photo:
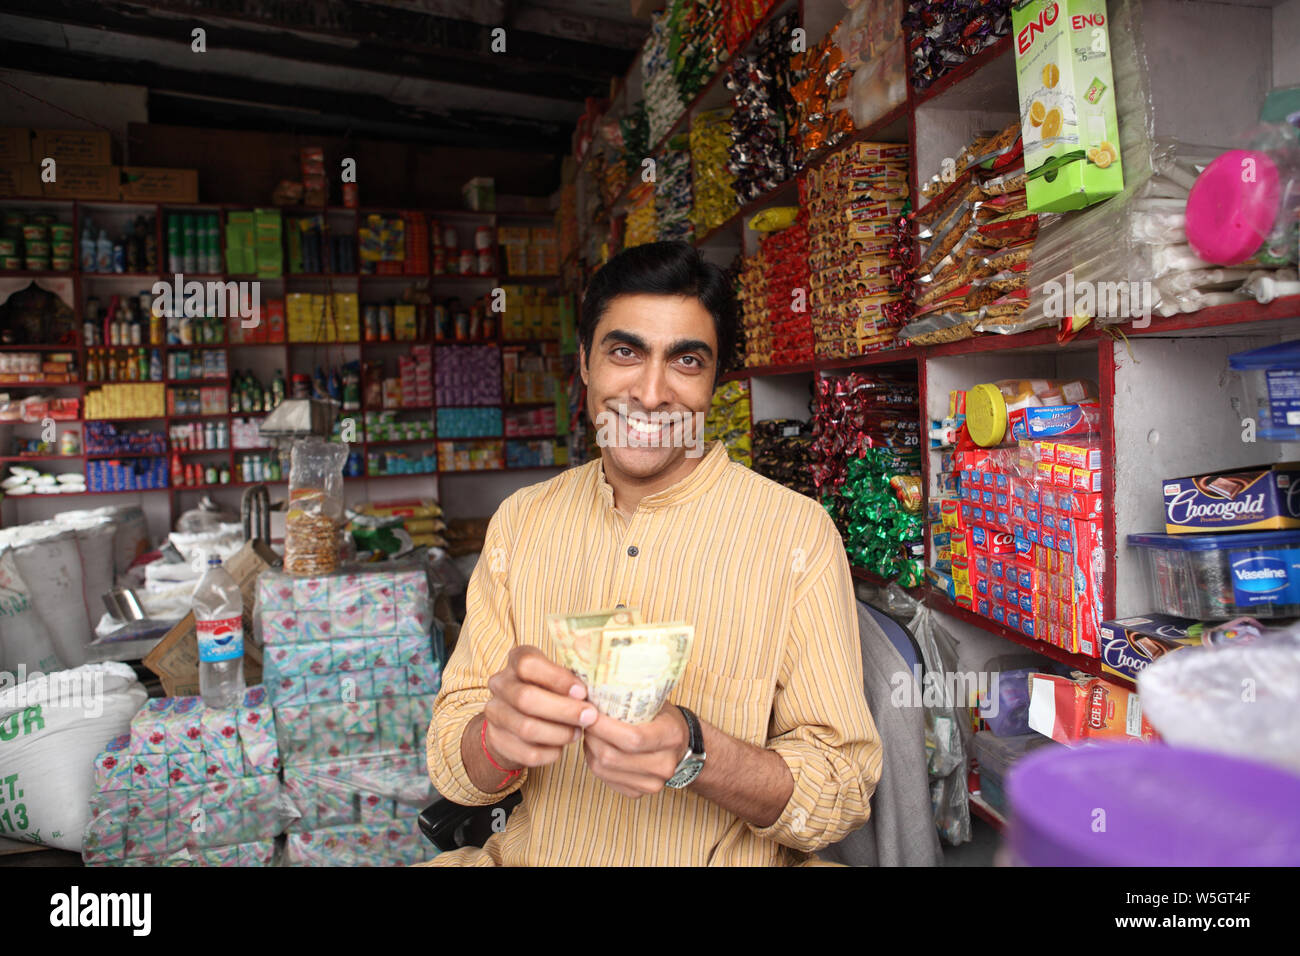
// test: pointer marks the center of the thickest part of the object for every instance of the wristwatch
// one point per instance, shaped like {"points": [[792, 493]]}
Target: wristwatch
{"points": [[693, 762]]}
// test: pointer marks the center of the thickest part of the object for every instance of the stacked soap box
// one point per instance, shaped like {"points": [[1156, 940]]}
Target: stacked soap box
{"points": [[353, 663], [359, 811], [188, 785]]}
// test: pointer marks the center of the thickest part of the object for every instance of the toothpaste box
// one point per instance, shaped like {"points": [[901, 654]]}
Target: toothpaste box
{"points": [[1054, 421], [1068, 117], [1249, 499]]}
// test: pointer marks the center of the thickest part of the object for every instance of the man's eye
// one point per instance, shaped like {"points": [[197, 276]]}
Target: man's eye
{"points": [[692, 358], [623, 351]]}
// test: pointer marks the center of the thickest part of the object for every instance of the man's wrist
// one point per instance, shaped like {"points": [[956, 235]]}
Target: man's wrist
{"points": [[494, 756]]}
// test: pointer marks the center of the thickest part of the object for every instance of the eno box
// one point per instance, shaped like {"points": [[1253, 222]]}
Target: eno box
{"points": [[1067, 103]]}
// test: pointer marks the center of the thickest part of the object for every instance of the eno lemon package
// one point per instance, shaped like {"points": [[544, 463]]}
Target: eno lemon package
{"points": [[1067, 103]]}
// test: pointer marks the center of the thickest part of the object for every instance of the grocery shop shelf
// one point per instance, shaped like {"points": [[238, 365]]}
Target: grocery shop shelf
{"points": [[102, 456]]}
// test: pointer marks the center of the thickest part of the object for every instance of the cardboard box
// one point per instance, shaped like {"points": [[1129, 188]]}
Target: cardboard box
{"points": [[15, 144], [155, 184], [1130, 645], [81, 147], [18, 181], [176, 658], [84, 182], [1072, 712], [1266, 498], [1067, 103]]}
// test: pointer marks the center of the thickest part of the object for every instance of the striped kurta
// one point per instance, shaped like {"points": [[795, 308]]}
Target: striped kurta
{"points": [[761, 573]]}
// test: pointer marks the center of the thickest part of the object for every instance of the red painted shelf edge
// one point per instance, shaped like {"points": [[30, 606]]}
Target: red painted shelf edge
{"points": [[986, 812], [1089, 665]]}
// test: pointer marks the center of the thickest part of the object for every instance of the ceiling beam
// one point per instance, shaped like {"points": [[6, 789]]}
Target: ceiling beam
{"points": [[359, 108], [459, 52]]}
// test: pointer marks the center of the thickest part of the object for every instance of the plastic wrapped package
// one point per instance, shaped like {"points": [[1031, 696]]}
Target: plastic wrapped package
{"points": [[1240, 698], [311, 537], [352, 660], [187, 783], [359, 811]]}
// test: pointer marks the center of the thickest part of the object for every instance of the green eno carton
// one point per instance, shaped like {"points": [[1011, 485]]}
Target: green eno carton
{"points": [[1067, 103]]}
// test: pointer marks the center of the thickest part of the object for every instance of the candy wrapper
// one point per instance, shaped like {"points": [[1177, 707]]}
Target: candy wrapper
{"points": [[728, 420], [867, 470], [783, 452], [712, 181], [761, 151], [672, 187], [944, 34]]}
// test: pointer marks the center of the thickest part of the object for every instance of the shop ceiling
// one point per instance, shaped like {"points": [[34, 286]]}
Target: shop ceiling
{"points": [[415, 70]]}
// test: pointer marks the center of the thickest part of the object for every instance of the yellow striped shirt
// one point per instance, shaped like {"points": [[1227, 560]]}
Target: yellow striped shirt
{"points": [[761, 573]]}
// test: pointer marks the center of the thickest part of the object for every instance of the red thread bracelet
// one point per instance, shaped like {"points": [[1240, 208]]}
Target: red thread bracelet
{"points": [[509, 774]]}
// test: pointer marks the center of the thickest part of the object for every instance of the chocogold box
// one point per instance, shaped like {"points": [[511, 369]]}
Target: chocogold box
{"points": [[1263, 498]]}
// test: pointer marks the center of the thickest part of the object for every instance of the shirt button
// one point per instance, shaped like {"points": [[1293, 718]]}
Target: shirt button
{"points": [[632, 551], [620, 605]]}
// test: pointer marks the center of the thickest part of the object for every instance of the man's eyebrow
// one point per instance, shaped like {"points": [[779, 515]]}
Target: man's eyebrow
{"points": [[678, 347]]}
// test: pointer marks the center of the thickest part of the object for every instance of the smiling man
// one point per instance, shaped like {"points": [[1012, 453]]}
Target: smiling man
{"points": [[766, 751]]}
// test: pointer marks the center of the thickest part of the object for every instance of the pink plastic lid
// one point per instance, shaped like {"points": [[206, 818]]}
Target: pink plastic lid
{"points": [[1232, 206]]}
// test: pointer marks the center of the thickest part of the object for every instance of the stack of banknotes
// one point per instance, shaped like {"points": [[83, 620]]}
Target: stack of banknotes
{"points": [[629, 667]]}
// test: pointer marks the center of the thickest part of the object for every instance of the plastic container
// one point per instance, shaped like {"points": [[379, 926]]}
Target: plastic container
{"points": [[1222, 576], [218, 617], [994, 756], [1271, 376], [1162, 807]]}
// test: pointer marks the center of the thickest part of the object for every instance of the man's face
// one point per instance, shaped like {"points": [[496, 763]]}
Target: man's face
{"points": [[652, 362]]}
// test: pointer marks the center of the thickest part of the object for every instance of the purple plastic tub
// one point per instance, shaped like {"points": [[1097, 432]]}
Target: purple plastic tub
{"points": [[1151, 805]]}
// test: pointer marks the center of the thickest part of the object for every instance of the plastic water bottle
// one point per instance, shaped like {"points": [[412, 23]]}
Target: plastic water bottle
{"points": [[218, 615]]}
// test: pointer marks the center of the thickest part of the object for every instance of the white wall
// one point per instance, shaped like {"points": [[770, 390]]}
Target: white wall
{"points": [[1286, 43]]}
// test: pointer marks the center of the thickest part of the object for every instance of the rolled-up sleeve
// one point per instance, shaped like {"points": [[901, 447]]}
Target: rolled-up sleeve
{"points": [[821, 725], [482, 649]]}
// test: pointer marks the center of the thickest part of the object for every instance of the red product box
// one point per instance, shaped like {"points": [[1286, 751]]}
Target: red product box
{"points": [[1046, 451], [1086, 505], [1086, 480], [1087, 455], [1001, 542], [1062, 475], [274, 320]]}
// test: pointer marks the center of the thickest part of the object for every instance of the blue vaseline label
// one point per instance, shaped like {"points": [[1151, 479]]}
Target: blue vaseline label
{"points": [[1265, 576]]}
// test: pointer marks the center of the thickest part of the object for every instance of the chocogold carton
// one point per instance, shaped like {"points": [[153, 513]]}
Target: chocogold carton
{"points": [[1130, 645], [1068, 118], [1263, 498]]}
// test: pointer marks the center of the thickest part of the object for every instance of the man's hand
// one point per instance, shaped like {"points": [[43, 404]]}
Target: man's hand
{"points": [[637, 759], [536, 709]]}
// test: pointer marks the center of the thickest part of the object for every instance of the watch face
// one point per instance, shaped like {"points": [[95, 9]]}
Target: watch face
{"points": [[686, 775]]}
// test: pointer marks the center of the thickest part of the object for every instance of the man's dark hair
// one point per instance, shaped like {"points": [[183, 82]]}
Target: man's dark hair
{"points": [[662, 268]]}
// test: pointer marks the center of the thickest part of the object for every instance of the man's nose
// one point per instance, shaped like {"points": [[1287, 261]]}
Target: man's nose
{"points": [[652, 388]]}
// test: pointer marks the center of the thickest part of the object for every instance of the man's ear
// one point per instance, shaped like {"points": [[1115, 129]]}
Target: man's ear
{"points": [[582, 362]]}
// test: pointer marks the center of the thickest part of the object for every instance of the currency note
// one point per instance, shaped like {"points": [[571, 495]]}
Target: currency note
{"points": [[578, 637]]}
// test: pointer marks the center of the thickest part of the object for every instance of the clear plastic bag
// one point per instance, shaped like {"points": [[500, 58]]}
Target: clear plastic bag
{"points": [[947, 732], [315, 516], [1240, 698]]}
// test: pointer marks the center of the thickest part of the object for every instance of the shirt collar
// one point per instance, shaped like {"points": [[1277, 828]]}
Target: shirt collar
{"points": [[701, 478]]}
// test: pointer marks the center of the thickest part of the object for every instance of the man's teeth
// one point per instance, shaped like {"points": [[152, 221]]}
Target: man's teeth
{"points": [[645, 428]]}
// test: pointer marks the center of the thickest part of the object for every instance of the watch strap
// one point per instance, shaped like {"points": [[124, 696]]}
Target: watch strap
{"points": [[695, 741]]}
